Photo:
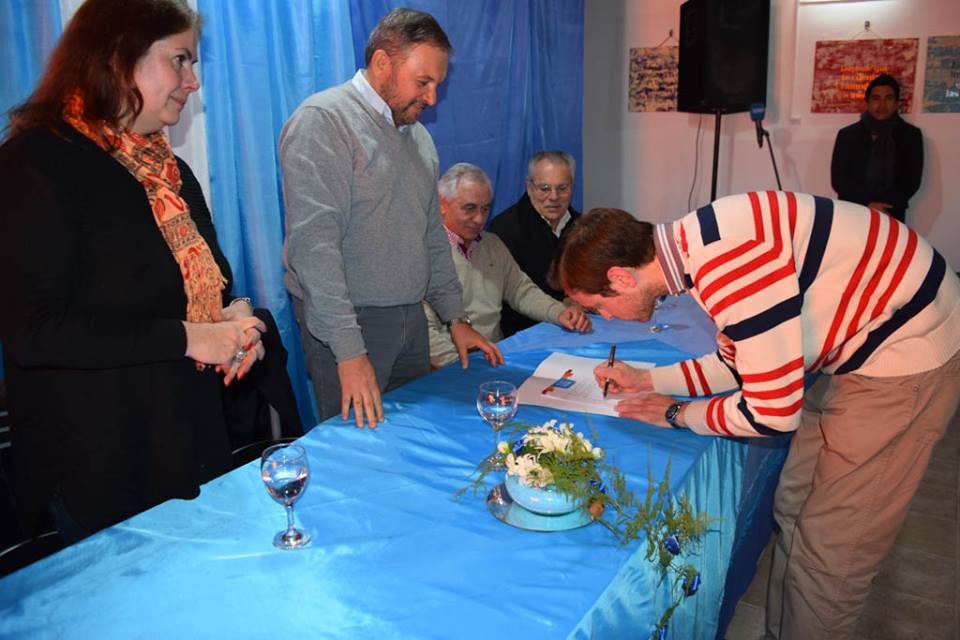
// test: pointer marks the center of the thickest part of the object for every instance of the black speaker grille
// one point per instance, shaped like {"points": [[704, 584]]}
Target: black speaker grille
{"points": [[723, 55]]}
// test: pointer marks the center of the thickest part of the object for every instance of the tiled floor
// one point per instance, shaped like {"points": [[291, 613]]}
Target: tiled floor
{"points": [[915, 595]]}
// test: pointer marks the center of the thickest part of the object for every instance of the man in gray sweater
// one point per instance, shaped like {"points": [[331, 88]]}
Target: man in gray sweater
{"points": [[365, 244]]}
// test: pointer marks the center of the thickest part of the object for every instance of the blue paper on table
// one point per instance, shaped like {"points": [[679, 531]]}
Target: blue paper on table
{"points": [[566, 382]]}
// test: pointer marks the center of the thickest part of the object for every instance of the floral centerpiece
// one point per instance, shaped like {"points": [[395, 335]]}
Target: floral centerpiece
{"points": [[552, 469], [558, 464]]}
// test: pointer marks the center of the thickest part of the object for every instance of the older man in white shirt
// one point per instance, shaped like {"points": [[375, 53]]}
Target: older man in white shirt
{"points": [[487, 272]]}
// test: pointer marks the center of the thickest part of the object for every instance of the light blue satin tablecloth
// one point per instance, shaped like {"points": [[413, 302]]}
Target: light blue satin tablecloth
{"points": [[393, 554]]}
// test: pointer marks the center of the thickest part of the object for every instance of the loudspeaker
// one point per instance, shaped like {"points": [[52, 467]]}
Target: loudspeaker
{"points": [[723, 55]]}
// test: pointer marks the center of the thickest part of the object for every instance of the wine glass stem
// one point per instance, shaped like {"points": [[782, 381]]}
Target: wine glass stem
{"points": [[290, 526]]}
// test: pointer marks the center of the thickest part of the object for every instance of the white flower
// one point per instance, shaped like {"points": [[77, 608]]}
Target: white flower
{"points": [[522, 466], [539, 477], [549, 440], [553, 440]]}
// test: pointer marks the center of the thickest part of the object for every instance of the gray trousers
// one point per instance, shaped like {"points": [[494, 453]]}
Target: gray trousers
{"points": [[397, 344], [854, 464]]}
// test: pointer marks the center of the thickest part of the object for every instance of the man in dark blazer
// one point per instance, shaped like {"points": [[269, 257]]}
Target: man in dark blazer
{"points": [[532, 227], [878, 161]]}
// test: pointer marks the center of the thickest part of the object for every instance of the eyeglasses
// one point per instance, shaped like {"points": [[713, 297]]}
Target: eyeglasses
{"points": [[545, 189]]}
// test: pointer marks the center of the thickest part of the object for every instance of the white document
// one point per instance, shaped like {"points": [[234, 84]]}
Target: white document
{"points": [[566, 382]]}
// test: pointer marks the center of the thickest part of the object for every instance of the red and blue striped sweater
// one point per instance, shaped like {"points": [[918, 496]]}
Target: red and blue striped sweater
{"points": [[798, 284]]}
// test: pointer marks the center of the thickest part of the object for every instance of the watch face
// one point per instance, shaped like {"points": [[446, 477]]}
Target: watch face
{"points": [[671, 413]]}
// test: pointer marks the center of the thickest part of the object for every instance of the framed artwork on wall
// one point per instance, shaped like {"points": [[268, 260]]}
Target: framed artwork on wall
{"points": [[843, 69]]}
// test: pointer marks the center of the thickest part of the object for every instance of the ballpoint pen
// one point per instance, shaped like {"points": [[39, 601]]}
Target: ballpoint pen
{"points": [[613, 353]]}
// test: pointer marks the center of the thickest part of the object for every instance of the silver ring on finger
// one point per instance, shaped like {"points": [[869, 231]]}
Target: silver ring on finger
{"points": [[239, 356]]}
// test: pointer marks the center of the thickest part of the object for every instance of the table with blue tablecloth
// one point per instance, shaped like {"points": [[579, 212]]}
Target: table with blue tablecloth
{"points": [[394, 554]]}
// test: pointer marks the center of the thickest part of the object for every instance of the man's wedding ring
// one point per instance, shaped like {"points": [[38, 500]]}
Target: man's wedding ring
{"points": [[240, 355]]}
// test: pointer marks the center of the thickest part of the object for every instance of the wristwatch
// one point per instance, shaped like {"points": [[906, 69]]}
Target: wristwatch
{"points": [[673, 412], [461, 319]]}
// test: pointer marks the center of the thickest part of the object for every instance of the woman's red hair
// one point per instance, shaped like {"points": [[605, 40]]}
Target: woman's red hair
{"points": [[95, 59]]}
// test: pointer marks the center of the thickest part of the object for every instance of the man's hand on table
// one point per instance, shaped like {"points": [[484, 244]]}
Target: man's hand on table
{"points": [[359, 389], [573, 318], [466, 337], [647, 407]]}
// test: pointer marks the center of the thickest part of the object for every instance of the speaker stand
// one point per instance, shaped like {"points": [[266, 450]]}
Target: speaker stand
{"points": [[716, 157], [773, 160]]}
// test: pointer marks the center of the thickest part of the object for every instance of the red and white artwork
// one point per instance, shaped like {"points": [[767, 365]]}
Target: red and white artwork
{"points": [[842, 69]]}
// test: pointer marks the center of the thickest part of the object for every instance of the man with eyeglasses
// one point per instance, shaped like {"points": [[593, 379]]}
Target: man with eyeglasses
{"points": [[490, 277], [532, 227], [878, 161]]}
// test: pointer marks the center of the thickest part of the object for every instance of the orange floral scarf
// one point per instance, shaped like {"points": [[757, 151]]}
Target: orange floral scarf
{"points": [[150, 160]]}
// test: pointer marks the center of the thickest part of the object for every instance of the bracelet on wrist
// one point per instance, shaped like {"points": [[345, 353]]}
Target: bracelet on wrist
{"points": [[243, 299]]}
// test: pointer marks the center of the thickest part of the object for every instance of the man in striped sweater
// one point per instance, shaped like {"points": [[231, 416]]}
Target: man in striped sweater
{"points": [[796, 284]]}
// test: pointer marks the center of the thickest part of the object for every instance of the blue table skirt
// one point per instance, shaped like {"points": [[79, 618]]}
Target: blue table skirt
{"points": [[394, 555]]}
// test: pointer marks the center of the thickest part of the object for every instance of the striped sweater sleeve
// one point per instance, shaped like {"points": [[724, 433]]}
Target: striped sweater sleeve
{"points": [[796, 284], [702, 376], [748, 283]]}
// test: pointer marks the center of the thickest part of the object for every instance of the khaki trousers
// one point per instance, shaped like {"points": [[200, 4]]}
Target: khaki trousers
{"points": [[854, 464]]}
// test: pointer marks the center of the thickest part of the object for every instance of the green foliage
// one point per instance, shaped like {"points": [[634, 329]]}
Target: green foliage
{"points": [[668, 523]]}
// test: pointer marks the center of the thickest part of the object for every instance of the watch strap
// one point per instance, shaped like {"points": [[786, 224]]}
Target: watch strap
{"points": [[672, 413]]}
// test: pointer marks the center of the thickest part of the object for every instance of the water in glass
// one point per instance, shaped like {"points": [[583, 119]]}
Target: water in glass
{"points": [[657, 327], [497, 402], [285, 473]]}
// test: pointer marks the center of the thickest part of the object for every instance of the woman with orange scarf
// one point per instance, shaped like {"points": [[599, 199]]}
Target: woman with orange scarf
{"points": [[117, 333]]}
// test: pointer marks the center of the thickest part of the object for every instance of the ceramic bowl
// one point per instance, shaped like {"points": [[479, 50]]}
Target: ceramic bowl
{"points": [[547, 501]]}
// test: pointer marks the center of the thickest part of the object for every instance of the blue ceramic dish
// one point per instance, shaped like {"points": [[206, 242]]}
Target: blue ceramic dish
{"points": [[548, 501], [506, 510]]}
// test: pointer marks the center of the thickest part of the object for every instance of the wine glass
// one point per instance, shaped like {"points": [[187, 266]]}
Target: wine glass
{"points": [[497, 403], [657, 327], [285, 472]]}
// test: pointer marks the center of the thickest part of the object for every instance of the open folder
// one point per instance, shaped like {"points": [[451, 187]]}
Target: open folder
{"points": [[566, 382]]}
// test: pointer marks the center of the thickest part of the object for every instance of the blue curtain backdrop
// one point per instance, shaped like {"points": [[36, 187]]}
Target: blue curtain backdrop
{"points": [[514, 87], [259, 61], [28, 31]]}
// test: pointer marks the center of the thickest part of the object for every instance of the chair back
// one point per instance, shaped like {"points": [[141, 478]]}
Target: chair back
{"points": [[249, 452], [29, 551]]}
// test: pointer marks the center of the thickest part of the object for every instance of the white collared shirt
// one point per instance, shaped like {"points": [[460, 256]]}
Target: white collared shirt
{"points": [[561, 224], [373, 98]]}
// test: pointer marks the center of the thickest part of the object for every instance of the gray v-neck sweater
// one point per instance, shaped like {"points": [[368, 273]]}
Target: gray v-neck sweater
{"points": [[362, 217]]}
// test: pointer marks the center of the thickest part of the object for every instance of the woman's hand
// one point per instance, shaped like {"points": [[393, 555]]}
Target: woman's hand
{"points": [[233, 345], [238, 309], [623, 378]]}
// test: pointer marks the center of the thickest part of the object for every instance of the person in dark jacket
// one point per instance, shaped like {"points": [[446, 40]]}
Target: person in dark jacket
{"points": [[878, 161], [533, 226], [118, 334]]}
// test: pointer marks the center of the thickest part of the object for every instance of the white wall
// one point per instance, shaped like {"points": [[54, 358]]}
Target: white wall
{"points": [[644, 162]]}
